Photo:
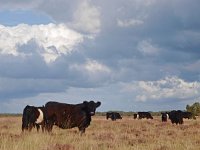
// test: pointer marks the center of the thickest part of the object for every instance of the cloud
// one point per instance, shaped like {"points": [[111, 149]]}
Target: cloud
{"points": [[52, 40], [23, 4], [93, 73], [93, 67], [147, 48], [19, 88], [167, 88], [130, 22], [86, 18]]}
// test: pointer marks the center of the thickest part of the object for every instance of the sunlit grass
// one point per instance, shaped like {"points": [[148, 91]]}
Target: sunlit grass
{"points": [[102, 134]]}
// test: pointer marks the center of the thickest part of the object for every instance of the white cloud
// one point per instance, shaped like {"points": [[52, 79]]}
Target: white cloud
{"points": [[54, 40], [87, 18], [91, 67], [167, 88], [147, 48], [94, 67], [129, 23], [93, 73]]}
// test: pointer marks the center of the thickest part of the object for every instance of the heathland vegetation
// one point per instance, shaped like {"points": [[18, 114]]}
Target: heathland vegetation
{"points": [[103, 134]]}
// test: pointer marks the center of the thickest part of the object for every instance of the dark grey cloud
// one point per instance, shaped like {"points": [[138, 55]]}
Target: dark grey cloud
{"points": [[165, 24], [131, 41]]}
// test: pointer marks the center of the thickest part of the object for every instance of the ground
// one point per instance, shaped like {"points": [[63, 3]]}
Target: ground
{"points": [[102, 134]]}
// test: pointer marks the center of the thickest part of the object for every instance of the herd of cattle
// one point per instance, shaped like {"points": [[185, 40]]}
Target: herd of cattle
{"points": [[68, 116], [176, 116]]}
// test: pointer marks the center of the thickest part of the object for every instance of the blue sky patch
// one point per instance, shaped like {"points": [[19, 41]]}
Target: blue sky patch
{"points": [[12, 18]]}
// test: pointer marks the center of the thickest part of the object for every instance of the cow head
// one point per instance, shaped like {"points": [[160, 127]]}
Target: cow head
{"points": [[28, 116], [25, 117], [90, 107]]}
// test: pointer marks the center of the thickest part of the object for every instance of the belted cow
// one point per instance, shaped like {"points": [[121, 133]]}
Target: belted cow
{"points": [[68, 116], [141, 115], [164, 116], [33, 116]]}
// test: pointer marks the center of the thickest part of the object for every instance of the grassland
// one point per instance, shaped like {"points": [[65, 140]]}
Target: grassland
{"points": [[102, 134]]}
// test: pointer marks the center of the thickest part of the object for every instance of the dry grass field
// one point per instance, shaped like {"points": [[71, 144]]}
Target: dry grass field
{"points": [[102, 134]]}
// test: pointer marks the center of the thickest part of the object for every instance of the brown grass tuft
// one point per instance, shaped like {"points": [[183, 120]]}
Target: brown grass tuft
{"points": [[60, 147]]}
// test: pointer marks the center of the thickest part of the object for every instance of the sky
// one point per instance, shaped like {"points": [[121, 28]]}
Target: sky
{"points": [[132, 55]]}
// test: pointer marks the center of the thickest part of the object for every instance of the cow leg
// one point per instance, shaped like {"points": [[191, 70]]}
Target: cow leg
{"points": [[38, 127], [50, 122], [49, 126], [43, 125], [24, 128], [181, 121], [82, 131], [30, 127]]}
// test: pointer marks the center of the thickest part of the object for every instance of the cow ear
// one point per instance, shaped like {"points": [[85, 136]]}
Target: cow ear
{"points": [[98, 104], [85, 102]]}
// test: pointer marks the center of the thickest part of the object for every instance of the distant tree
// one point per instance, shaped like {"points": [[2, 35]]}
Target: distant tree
{"points": [[194, 108]]}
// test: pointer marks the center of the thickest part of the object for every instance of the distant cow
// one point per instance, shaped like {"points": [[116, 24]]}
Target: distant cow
{"points": [[113, 116], [68, 116], [141, 115], [135, 116], [33, 116], [176, 116], [187, 115], [164, 116]]}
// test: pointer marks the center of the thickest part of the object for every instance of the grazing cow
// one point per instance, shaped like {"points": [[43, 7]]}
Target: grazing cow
{"points": [[113, 116], [68, 116], [176, 117], [164, 116], [141, 115], [33, 116], [187, 115]]}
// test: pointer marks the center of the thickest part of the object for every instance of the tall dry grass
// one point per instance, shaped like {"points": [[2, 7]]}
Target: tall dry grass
{"points": [[102, 134]]}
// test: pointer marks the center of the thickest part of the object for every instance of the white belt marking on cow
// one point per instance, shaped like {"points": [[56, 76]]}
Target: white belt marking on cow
{"points": [[137, 116], [167, 116], [40, 117]]}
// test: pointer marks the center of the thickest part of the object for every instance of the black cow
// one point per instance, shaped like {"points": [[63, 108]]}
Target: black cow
{"points": [[33, 116], [176, 116], [164, 116], [68, 116], [141, 115], [187, 115], [113, 116]]}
